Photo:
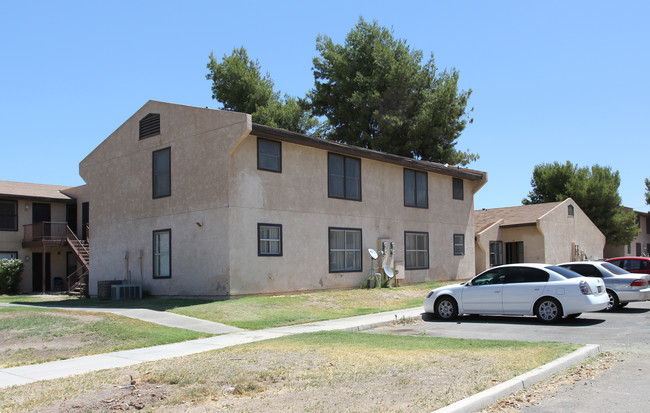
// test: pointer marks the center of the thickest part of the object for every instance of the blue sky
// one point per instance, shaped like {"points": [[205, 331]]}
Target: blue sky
{"points": [[551, 80]]}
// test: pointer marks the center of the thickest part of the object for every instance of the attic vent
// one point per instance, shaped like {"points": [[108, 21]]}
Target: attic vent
{"points": [[150, 125]]}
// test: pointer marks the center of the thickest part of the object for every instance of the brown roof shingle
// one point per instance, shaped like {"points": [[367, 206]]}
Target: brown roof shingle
{"points": [[24, 190], [511, 216]]}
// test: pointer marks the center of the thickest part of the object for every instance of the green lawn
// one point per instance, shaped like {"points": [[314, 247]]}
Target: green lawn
{"points": [[264, 311]]}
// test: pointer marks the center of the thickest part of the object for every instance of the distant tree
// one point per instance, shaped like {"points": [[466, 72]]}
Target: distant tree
{"points": [[594, 189], [376, 93], [647, 191], [237, 82]]}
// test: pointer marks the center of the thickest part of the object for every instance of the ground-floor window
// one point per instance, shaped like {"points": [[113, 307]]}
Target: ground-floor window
{"points": [[459, 244], [269, 239], [345, 249], [416, 250], [162, 253], [496, 253], [9, 255]]}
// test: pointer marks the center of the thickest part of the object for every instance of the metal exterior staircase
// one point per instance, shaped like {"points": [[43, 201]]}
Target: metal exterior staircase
{"points": [[78, 280]]}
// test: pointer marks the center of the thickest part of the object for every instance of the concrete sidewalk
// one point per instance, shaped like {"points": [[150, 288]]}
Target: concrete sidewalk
{"points": [[64, 368]]}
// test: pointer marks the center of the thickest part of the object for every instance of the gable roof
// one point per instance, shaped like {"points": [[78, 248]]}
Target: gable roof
{"points": [[24, 190], [300, 139], [517, 216]]}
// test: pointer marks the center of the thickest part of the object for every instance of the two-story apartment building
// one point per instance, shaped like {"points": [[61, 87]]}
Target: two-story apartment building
{"points": [[188, 201], [640, 246], [40, 224]]}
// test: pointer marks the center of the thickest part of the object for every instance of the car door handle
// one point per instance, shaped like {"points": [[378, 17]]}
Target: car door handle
{"points": [[497, 291]]}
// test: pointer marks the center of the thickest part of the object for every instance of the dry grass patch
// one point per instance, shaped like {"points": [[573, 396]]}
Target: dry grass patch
{"points": [[335, 371]]}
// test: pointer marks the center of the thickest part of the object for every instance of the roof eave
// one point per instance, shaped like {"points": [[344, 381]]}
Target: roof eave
{"points": [[300, 139]]}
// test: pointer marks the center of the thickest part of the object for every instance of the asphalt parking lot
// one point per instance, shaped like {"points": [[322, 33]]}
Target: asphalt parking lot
{"points": [[626, 332]]}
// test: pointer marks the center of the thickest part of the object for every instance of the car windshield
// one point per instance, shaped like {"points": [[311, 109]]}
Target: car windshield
{"points": [[564, 272], [614, 269]]}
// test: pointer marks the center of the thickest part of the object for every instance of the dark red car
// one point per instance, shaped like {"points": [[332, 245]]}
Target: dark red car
{"points": [[639, 265]]}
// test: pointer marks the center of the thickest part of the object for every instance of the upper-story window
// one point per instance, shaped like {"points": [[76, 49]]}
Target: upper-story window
{"points": [[458, 191], [269, 155], [571, 210], [344, 177], [8, 215], [150, 125], [416, 189], [161, 170]]}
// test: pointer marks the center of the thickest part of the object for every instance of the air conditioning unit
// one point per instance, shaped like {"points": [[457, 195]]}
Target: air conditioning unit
{"points": [[126, 292]]}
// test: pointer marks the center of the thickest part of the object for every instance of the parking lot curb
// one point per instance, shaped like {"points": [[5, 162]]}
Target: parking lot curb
{"points": [[493, 394]]}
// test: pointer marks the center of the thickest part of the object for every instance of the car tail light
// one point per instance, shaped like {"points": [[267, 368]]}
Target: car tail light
{"points": [[585, 288], [639, 283]]}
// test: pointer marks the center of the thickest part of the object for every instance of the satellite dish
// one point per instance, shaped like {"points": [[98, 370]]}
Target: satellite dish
{"points": [[388, 271], [373, 253]]}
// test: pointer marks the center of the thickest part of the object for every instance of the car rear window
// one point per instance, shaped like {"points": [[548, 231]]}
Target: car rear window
{"points": [[614, 269], [563, 272]]}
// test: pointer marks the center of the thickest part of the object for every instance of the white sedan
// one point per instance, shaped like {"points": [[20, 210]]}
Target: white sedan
{"points": [[547, 291]]}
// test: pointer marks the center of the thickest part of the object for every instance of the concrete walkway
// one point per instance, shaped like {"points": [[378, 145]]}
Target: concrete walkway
{"points": [[64, 368]]}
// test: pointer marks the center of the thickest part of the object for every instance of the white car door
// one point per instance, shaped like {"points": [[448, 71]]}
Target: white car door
{"points": [[483, 295], [523, 286]]}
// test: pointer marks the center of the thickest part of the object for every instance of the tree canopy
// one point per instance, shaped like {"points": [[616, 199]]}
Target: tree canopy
{"points": [[376, 93], [647, 191], [238, 83], [594, 189]]}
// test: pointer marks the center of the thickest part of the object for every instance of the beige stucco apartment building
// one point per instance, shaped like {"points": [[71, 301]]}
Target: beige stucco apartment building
{"points": [[550, 233], [34, 222], [188, 201]]}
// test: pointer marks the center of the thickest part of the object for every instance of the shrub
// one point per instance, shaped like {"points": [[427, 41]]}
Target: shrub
{"points": [[10, 274]]}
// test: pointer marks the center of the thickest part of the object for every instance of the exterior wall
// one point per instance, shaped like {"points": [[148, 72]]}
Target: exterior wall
{"points": [[629, 250], [123, 213], [482, 249], [563, 233], [297, 198], [534, 250]]}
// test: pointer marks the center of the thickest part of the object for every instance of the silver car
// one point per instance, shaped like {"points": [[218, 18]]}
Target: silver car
{"points": [[622, 287]]}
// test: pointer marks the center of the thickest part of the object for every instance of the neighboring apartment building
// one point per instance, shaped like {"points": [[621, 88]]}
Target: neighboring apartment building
{"points": [[189, 201], [551, 233], [640, 246], [34, 222]]}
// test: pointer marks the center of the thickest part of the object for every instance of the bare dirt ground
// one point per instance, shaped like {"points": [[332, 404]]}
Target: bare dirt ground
{"points": [[532, 396], [381, 394]]}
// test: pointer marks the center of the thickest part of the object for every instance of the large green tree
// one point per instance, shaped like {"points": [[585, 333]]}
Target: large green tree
{"points": [[376, 92], [594, 189], [238, 83], [647, 191]]}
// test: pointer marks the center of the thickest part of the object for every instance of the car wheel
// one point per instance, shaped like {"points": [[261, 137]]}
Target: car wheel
{"points": [[613, 301], [548, 310], [446, 308], [572, 316]]}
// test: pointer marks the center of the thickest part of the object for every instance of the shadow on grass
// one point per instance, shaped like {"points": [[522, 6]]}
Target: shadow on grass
{"points": [[158, 304]]}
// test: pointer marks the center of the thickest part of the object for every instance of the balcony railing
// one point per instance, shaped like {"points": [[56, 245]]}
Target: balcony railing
{"points": [[48, 232]]}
